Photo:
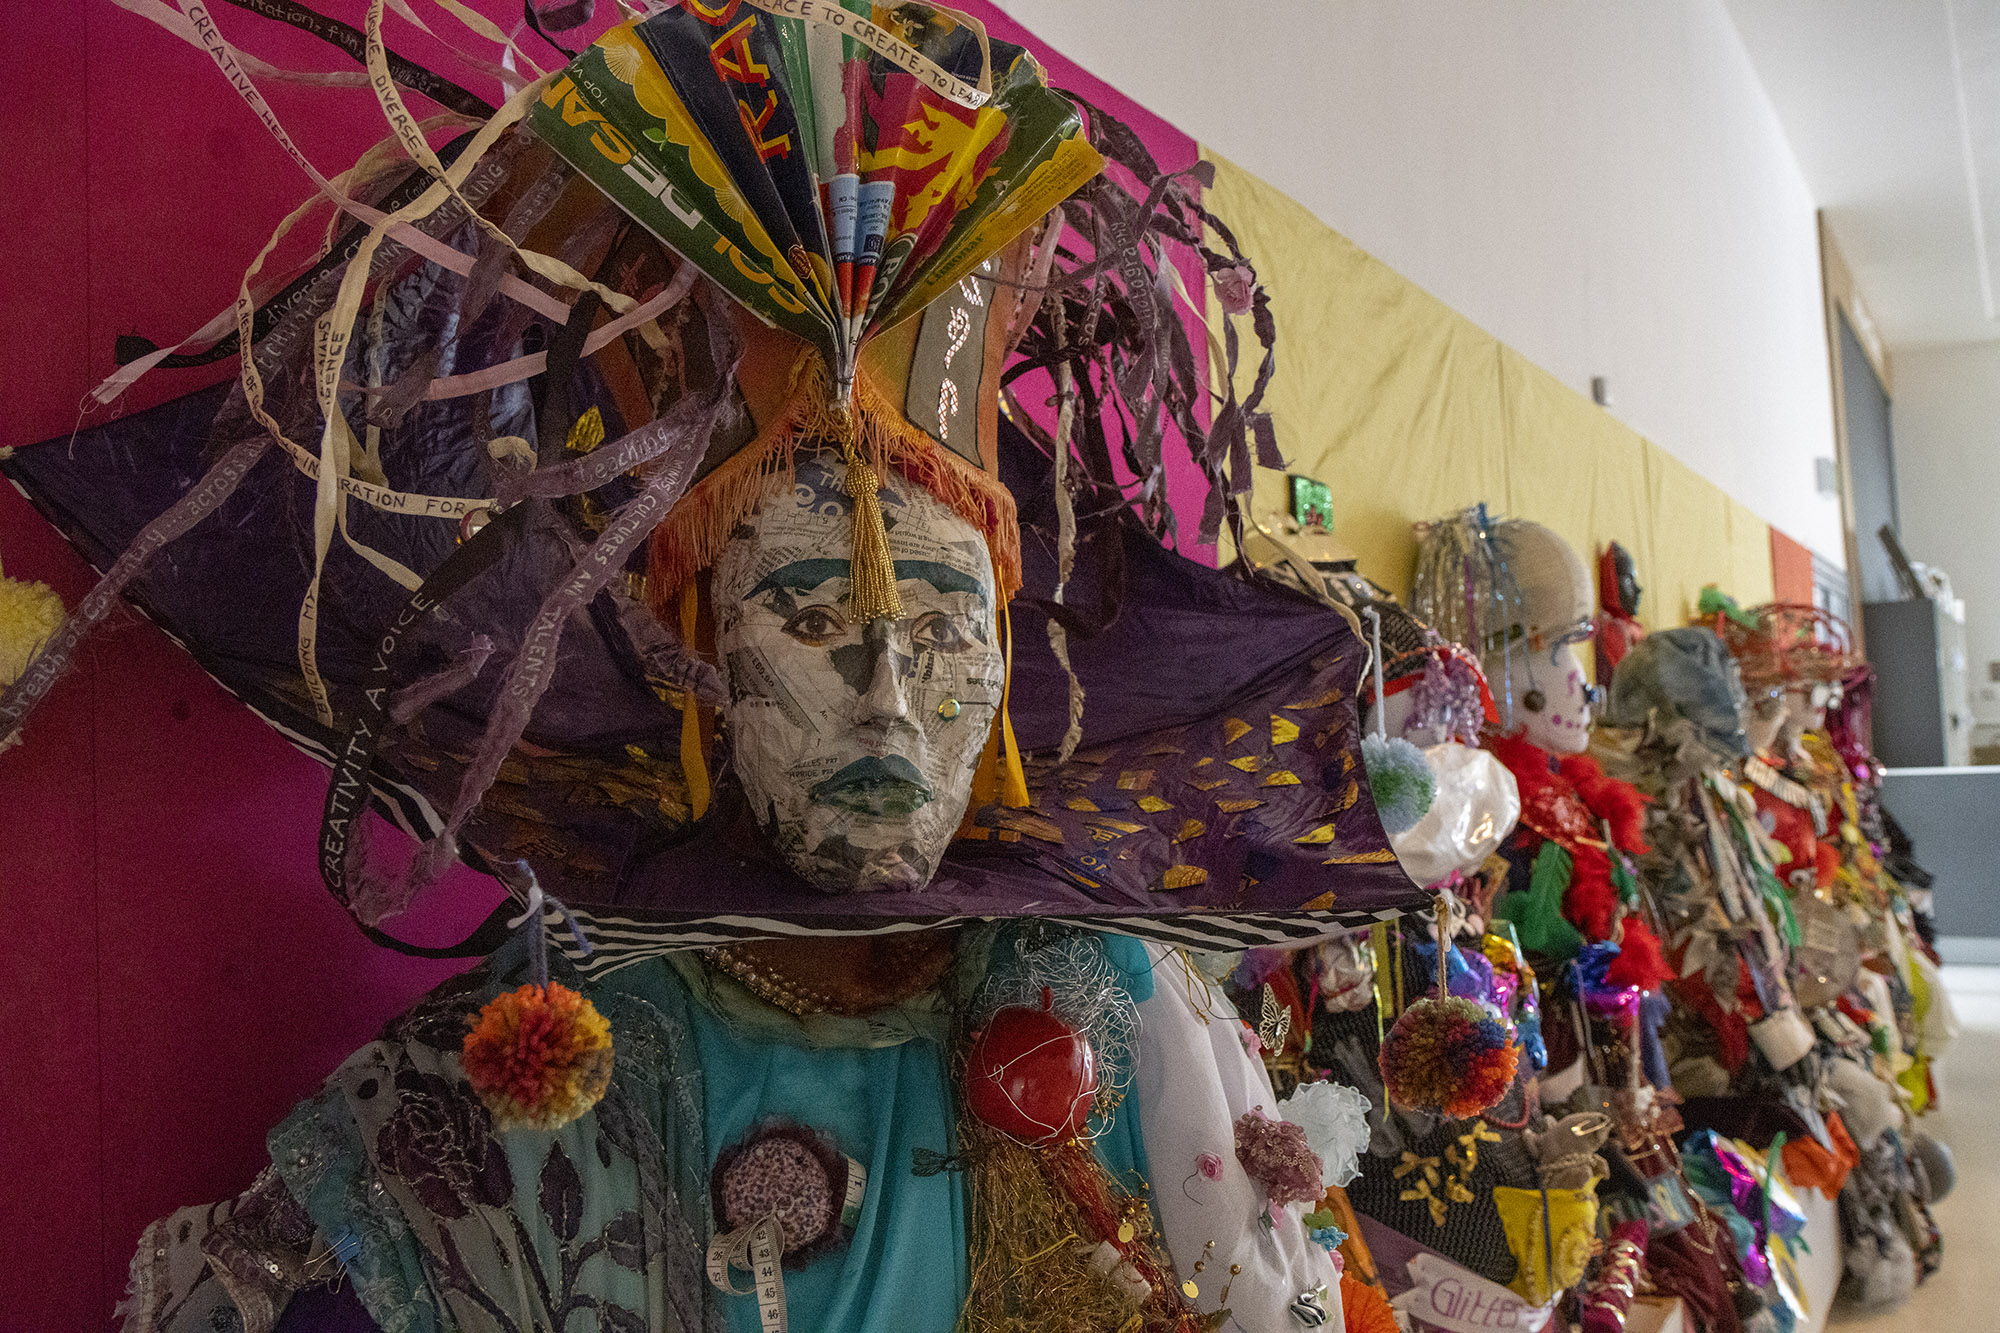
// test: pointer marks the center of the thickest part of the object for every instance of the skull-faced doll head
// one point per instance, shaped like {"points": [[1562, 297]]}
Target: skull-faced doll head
{"points": [[856, 743], [1518, 595], [1550, 614], [1553, 700]]}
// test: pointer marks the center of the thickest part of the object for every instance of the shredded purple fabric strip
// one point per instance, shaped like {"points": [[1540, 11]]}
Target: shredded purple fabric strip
{"points": [[599, 467], [677, 440], [664, 654], [415, 697], [221, 480], [53, 660]]}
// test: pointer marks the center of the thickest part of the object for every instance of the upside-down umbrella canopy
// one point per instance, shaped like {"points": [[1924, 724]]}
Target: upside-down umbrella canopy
{"points": [[1217, 795]]}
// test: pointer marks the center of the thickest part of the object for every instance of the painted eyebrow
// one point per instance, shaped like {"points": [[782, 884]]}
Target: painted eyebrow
{"points": [[801, 576], [806, 575]]}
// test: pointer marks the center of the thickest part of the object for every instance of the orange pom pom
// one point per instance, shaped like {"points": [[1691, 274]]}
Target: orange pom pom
{"points": [[539, 1057]]}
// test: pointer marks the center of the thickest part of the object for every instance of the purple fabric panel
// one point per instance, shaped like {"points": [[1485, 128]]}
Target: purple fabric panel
{"points": [[1195, 666], [319, 1310], [1187, 641]]}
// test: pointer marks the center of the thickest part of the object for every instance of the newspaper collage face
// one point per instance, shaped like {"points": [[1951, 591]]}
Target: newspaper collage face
{"points": [[856, 744]]}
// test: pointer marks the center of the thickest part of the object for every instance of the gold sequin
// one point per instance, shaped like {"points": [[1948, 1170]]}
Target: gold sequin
{"points": [[1236, 805], [1319, 837], [1117, 825], [1249, 763], [587, 433], [1152, 805], [1280, 777], [1331, 696], [1035, 826], [1183, 877], [1193, 828], [1283, 730]]}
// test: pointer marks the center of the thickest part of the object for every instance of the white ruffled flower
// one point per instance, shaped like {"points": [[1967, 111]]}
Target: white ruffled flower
{"points": [[1335, 1119]]}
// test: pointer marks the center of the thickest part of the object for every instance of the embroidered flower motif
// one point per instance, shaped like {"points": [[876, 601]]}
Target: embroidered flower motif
{"points": [[1209, 1165], [1323, 1227], [440, 1140]]}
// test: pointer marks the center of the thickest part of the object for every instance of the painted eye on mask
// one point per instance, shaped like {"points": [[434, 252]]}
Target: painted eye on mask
{"points": [[815, 626], [938, 632]]}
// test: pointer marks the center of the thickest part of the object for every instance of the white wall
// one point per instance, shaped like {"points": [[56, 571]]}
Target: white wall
{"points": [[1946, 417], [1602, 184]]}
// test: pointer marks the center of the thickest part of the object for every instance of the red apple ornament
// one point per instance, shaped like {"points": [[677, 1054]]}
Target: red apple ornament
{"points": [[1031, 1075]]}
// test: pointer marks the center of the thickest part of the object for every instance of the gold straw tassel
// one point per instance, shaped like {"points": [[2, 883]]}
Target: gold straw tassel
{"points": [[871, 574]]}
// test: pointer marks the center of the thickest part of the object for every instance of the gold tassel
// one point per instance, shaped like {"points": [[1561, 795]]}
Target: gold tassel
{"points": [[871, 574]]}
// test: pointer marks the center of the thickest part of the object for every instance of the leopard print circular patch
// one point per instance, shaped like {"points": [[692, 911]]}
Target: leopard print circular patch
{"points": [[778, 1177]]}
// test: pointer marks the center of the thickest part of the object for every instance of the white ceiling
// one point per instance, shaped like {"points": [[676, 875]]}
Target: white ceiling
{"points": [[1893, 107]]}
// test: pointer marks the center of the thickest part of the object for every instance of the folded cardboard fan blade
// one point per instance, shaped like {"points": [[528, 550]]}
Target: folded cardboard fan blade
{"points": [[833, 175]]}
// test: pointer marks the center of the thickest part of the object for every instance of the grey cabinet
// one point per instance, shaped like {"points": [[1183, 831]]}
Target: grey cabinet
{"points": [[1923, 699]]}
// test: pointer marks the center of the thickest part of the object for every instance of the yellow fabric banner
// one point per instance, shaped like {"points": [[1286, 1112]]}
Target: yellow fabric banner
{"points": [[1411, 411]]}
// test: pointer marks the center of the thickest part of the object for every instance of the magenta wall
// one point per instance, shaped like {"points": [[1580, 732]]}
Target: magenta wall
{"points": [[177, 974]]}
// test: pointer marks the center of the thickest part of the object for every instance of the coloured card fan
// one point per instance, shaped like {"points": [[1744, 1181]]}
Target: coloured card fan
{"points": [[834, 172]]}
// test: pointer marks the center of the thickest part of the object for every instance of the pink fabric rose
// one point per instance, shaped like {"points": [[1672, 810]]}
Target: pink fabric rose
{"points": [[1235, 287]]}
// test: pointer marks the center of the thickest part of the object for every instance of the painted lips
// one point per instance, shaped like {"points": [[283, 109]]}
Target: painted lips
{"points": [[887, 786]]}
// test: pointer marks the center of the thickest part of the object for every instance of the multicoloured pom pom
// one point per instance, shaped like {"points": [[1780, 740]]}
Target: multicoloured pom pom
{"points": [[1449, 1057], [539, 1057], [1401, 780]]}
